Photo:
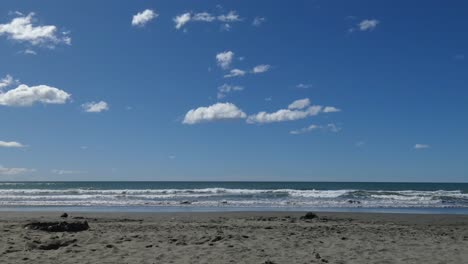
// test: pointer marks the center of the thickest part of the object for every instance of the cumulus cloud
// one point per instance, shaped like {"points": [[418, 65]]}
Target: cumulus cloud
{"points": [[368, 24], [421, 146], [261, 68], [235, 73], [224, 89], [95, 107], [21, 29], [258, 21], [14, 171], [298, 109], [7, 81], [299, 104], [182, 19], [283, 115], [331, 109], [329, 127], [24, 95], [224, 59], [10, 144], [218, 111], [141, 18]]}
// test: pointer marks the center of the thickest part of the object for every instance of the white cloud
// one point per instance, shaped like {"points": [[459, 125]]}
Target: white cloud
{"points": [[224, 89], [7, 81], [29, 52], [331, 109], [261, 68], [283, 115], [95, 107], [258, 21], [235, 73], [298, 109], [204, 17], [329, 127], [218, 111], [368, 24], [299, 104], [65, 172], [225, 27], [181, 20], [360, 144], [224, 59], [304, 130], [24, 95], [14, 171], [141, 18], [232, 16], [421, 146], [332, 127], [303, 86], [10, 144], [22, 29]]}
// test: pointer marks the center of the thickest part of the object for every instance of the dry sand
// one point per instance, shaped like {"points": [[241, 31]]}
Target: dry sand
{"points": [[244, 237]]}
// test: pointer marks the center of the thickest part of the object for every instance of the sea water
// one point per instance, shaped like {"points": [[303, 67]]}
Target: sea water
{"points": [[236, 196]]}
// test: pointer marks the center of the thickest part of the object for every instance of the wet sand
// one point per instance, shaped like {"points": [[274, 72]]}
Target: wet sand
{"points": [[236, 237]]}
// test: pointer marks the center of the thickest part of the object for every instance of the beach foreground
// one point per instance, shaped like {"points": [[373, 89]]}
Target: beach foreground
{"points": [[236, 237]]}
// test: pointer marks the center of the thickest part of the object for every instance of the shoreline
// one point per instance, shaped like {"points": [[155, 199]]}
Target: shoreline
{"points": [[236, 237], [197, 209]]}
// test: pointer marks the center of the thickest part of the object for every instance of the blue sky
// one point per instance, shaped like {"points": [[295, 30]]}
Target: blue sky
{"points": [[234, 90]]}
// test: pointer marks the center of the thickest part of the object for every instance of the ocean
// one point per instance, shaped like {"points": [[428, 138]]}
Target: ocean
{"points": [[450, 198]]}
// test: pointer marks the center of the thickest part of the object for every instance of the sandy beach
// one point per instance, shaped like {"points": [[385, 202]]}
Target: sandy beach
{"points": [[237, 237]]}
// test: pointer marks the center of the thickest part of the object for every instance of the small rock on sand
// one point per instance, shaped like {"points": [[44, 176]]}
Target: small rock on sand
{"points": [[309, 215], [75, 226]]}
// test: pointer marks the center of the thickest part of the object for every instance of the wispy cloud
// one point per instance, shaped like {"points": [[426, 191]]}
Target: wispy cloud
{"points": [[218, 111], [184, 18], [304, 86], [7, 81], [258, 21], [181, 20], [304, 130], [14, 171], [329, 127], [142, 18], [368, 24], [331, 109], [235, 73], [22, 29], [421, 146], [95, 107], [65, 172], [261, 68], [224, 89]]}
